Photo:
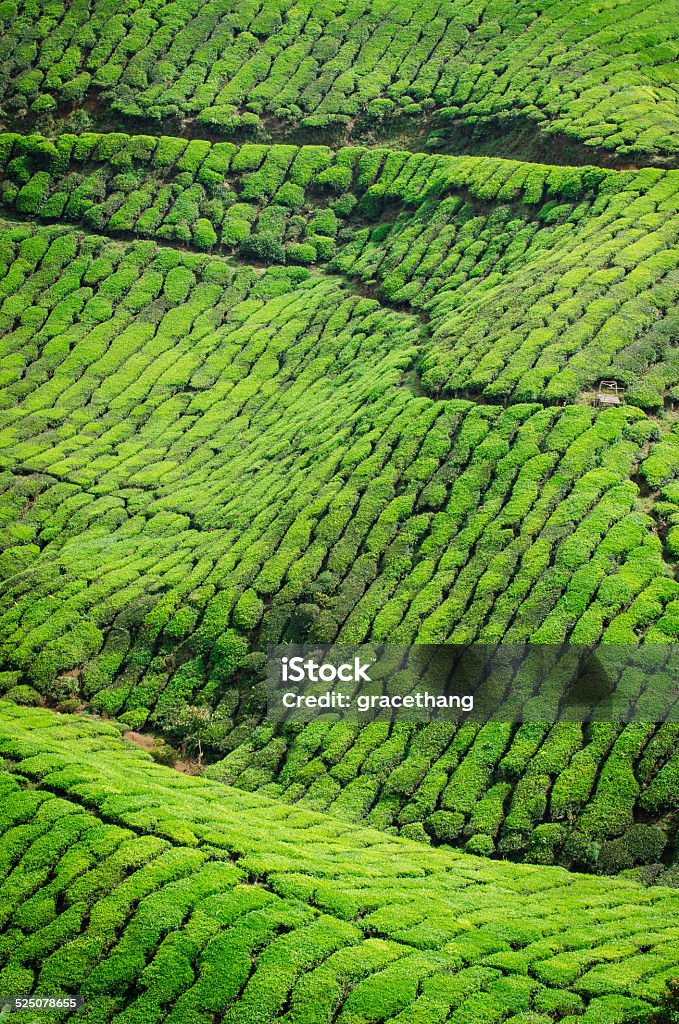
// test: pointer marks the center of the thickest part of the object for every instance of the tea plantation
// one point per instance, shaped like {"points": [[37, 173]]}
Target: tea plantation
{"points": [[385, 434], [164, 897], [305, 311], [603, 75], [534, 281]]}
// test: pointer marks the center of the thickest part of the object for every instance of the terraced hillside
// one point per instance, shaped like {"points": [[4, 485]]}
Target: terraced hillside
{"points": [[534, 281], [165, 897], [285, 393], [600, 75], [291, 351]]}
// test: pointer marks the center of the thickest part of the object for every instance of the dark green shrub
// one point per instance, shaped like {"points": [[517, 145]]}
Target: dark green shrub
{"points": [[444, 826], [263, 246]]}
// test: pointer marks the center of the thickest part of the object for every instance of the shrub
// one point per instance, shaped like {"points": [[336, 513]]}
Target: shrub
{"points": [[34, 193], [234, 230], [290, 195], [444, 825], [335, 178], [263, 246], [669, 1010], [480, 844], [248, 610], [344, 205], [301, 252], [204, 234]]}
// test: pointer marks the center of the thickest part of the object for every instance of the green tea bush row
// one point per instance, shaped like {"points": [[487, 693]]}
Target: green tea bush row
{"points": [[162, 896], [604, 78], [605, 242]]}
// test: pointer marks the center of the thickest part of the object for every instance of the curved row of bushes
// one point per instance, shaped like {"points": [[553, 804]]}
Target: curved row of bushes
{"points": [[569, 277], [603, 76], [164, 897]]}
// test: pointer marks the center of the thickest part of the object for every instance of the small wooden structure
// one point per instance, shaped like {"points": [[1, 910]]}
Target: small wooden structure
{"points": [[609, 393]]}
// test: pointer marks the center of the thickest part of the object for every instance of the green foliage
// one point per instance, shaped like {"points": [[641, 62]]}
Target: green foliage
{"points": [[263, 246], [256, 467], [241, 72], [495, 331], [157, 894], [204, 234], [248, 610], [208, 448], [669, 1010]]}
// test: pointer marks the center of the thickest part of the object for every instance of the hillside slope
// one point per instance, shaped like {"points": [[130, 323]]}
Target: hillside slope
{"points": [[165, 897], [533, 281], [257, 391], [386, 433], [202, 459], [603, 76]]}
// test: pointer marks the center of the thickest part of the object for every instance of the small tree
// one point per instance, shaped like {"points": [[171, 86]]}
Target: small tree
{"points": [[193, 725]]}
